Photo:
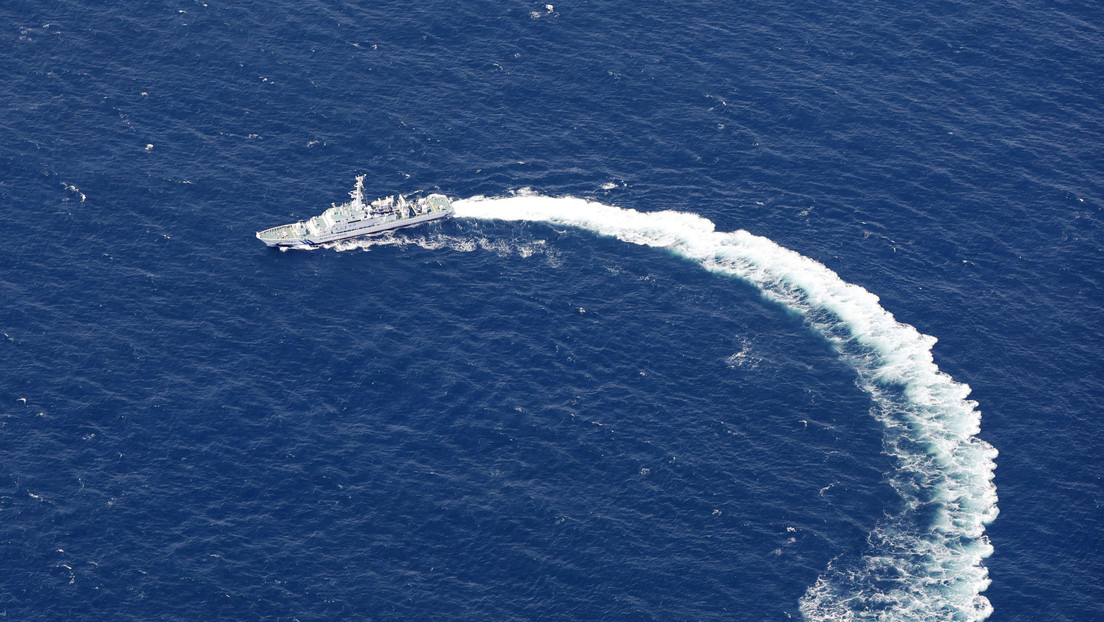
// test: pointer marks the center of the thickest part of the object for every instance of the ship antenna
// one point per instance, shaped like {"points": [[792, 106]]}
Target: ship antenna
{"points": [[358, 192]]}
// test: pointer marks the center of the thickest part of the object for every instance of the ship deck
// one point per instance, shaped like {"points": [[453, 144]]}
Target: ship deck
{"points": [[283, 232]]}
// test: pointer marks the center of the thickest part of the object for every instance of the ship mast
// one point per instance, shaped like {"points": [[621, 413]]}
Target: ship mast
{"points": [[358, 192]]}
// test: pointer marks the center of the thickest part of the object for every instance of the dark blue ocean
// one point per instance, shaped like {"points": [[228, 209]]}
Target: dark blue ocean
{"points": [[749, 311]]}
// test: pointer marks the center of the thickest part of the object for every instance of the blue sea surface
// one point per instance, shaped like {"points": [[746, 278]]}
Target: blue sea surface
{"points": [[669, 361]]}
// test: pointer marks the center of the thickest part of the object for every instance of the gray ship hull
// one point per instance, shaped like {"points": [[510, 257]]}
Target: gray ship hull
{"points": [[368, 228], [356, 219]]}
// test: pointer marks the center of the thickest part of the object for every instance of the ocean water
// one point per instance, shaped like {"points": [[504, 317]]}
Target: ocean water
{"points": [[748, 312]]}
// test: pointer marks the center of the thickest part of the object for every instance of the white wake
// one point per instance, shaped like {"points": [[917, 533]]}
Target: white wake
{"points": [[924, 563]]}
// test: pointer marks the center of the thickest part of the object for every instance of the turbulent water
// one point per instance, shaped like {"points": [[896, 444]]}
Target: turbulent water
{"points": [[675, 357], [924, 563]]}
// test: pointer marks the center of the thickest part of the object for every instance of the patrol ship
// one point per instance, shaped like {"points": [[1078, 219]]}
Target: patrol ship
{"points": [[357, 218]]}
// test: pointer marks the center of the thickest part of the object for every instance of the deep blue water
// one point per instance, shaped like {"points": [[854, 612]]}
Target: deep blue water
{"points": [[500, 420]]}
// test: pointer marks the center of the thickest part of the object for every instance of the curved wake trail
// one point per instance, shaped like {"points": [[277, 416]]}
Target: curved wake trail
{"points": [[924, 563]]}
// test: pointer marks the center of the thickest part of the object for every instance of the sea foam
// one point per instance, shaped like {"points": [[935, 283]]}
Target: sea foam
{"points": [[922, 562]]}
